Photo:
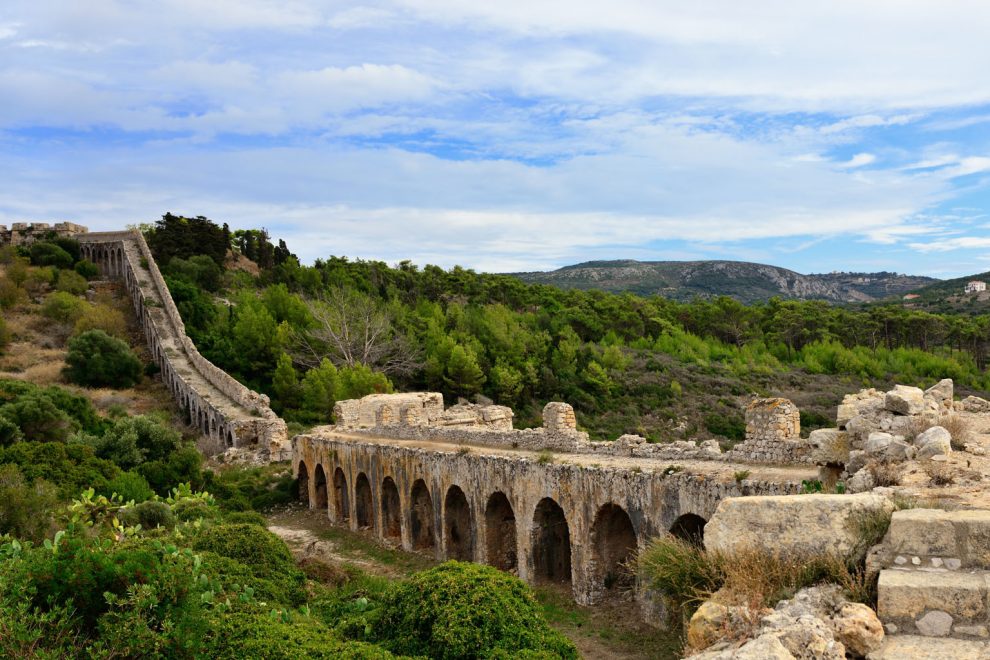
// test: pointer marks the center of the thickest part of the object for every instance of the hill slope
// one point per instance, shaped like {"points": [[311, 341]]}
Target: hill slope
{"points": [[747, 282], [948, 296]]}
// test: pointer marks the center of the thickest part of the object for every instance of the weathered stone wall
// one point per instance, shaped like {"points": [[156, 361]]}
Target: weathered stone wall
{"points": [[542, 521], [773, 434], [418, 409], [229, 414], [24, 233]]}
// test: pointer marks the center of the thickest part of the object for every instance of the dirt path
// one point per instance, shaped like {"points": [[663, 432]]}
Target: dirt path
{"points": [[612, 631]]}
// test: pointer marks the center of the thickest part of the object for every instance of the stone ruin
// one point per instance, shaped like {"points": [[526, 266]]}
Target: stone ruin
{"points": [[773, 434], [418, 409], [25, 233]]}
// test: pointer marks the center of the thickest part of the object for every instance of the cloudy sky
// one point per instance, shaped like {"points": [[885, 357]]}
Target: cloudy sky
{"points": [[511, 135]]}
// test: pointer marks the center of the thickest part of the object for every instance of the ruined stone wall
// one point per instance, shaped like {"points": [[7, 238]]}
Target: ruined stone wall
{"points": [[493, 509], [773, 434], [229, 414], [25, 233]]}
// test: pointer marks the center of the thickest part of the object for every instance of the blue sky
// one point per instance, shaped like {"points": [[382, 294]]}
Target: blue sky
{"points": [[514, 135]]}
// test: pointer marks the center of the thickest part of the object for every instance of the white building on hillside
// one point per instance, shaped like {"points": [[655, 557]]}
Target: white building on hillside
{"points": [[975, 286]]}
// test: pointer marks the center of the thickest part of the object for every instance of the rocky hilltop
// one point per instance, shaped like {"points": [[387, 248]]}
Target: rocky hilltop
{"points": [[747, 282]]}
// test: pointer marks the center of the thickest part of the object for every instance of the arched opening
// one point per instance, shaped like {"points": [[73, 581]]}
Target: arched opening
{"points": [[690, 527], [500, 532], [551, 543], [613, 541], [391, 510], [457, 530], [302, 483], [320, 488], [362, 500], [421, 516], [341, 501]]}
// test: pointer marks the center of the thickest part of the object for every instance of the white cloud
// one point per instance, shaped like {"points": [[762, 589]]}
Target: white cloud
{"points": [[950, 244], [859, 160]]}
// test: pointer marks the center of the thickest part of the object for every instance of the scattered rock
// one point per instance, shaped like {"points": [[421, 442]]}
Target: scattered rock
{"points": [[975, 404], [941, 394], [861, 482], [877, 443], [905, 400], [935, 624], [708, 625], [934, 433], [858, 628]]}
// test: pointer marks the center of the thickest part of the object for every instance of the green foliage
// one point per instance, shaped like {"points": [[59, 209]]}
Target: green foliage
{"points": [[177, 236], [71, 467], [131, 487], [25, 508], [71, 282], [727, 423], [131, 441], [102, 317], [87, 269], [96, 359], [39, 418], [463, 375], [44, 253], [184, 465], [4, 335], [63, 307], [11, 294], [263, 553], [245, 518], [461, 610], [150, 515], [9, 432], [258, 488], [199, 269]]}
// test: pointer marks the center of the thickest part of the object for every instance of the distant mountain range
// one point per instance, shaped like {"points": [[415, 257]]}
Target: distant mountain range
{"points": [[747, 282]]}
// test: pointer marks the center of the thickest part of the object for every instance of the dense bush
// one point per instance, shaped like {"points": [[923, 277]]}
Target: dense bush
{"points": [[245, 518], [461, 610], [183, 465], [76, 406], [44, 253], [25, 508], [150, 515], [102, 317], [39, 418], [96, 359], [263, 553], [131, 441], [87, 269], [63, 307], [11, 294], [71, 467], [256, 488], [131, 486], [4, 335], [71, 282]]}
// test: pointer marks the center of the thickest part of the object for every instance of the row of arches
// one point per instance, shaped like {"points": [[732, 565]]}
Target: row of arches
{"points": [[452, 532], [112, 258]]}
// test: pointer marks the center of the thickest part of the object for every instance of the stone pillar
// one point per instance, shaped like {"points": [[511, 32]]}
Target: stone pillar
{"points": [[559, 418], [772, 420]]}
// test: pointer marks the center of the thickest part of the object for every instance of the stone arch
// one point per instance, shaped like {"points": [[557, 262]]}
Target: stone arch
{"points": [[500, 532], [613, 542], [231, 438], [363, 505], [341, 498], [421, 516], [551, 543], [458, 533], [689, 527], [391, 510], [319, 488], [302, 482]]}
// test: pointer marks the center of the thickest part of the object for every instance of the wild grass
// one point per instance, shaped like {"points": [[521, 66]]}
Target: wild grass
{"points": [[885, 473]]}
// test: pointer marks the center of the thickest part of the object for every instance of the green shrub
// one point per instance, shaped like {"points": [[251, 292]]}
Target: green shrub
{"points": [[258, 488], [262, 552], [9, 432], [11, 295], [150, 515], [131, 486], [131, 441], [39, 418], [76, 406], [87, 269], [44, 253], [25, 509], [71, 467], [96, 359], [4, 335], [102, 317], [269, 588], [190, 510], [245, 518], [241, 635], [71, 282], [63, 307], [461, 610], [181, 466]]}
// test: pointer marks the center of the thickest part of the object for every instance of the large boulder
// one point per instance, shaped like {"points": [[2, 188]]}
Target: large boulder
{"points": [[933, 442], [877, 443], [858, 628], [829, 446], [905, 400], [975, 404], [939, 395], [791, 525]]}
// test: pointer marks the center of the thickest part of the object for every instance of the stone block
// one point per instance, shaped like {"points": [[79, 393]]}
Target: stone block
{"points": [[923, 533], [795, 526], [877, 443], [975, 404], [559, 417], [905, 400], [829, 446], [941, 394], [904, 597]]}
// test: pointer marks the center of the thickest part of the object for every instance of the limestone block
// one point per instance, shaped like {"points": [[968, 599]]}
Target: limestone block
{"points": [[772, 419], [900, 450], [767, 647], [858, 628], [559, 417], [877, 443], [901, 647], [770, 523], [861, 482], [905, 596], [905, 400], [934, 433], [922, 532], [708, 624], [829, 446], [857, 461], [975, 404], [941, 394], [973, 533]]}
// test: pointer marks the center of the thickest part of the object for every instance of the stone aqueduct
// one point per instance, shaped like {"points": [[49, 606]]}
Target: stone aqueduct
{"points": [[573, 522], [227, 413]]}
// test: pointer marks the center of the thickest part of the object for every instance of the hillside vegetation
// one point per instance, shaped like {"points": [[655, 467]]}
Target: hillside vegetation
{"points": [[746, 282], [311, 335]]}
